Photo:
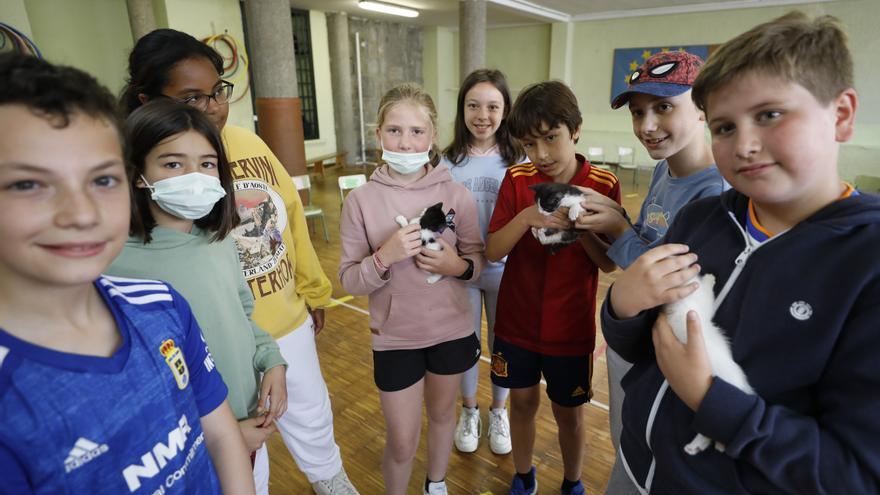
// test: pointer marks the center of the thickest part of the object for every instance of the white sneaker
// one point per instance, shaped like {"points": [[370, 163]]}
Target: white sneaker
{"points": [[499, 431], [436, 488], [339, 484], [468, 430]]}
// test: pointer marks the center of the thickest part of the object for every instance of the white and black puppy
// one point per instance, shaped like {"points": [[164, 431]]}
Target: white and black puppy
{"points": [[433, 222]]}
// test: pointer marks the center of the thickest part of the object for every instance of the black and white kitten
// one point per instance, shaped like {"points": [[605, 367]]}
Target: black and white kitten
{"points": [[433, 222], [550, 196], [702, 301]]}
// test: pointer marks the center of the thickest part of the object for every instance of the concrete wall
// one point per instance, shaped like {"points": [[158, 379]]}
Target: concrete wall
{"points": [[520, 52], [595, 42], [92, 35], [14, 13], [391, 54], [440, 72], [326, 143], [203, 18], [582, 54]]}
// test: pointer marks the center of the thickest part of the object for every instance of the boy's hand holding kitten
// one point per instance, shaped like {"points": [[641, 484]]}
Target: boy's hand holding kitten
{"points": [[534, 219], [601, 214], [688, 357], [562, 203], [660, 276], [685, 366]]}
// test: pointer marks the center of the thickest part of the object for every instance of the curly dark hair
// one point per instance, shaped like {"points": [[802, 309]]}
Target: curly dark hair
{"points": [[153, 57], [54, 92]]}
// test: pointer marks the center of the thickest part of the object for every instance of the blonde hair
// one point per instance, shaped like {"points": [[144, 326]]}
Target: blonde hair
{"points": [[810, 52], [412, 93]]}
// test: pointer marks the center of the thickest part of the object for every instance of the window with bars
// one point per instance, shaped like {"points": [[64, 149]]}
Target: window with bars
{"points": [[305, 72]]}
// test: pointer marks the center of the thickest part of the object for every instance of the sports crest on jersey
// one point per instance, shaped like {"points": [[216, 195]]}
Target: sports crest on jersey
{"points": [[174, 359]]}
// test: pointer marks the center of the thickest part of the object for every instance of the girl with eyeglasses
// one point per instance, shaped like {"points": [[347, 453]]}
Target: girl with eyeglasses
{"points": [[282, 271]]}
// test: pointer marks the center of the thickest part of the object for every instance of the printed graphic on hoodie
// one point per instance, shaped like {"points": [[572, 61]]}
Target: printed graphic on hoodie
{"points": [[258, 236]]}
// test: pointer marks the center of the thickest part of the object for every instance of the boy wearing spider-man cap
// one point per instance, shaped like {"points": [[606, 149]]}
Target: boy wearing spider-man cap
{"points": [[672, 129]]}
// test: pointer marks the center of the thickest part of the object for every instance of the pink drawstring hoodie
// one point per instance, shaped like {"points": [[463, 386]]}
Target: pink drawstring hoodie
{"points": [[405, 311]]}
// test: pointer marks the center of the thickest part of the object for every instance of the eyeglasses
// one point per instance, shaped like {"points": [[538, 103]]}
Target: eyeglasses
{"points": [[220, 96]]}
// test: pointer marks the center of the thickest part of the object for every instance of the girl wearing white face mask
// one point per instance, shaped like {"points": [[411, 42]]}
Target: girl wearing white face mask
{"points": [[182, 213], [423, 334]]}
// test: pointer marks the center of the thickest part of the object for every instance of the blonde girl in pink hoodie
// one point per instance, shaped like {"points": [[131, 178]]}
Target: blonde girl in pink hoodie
{"points": [[423, 335]]}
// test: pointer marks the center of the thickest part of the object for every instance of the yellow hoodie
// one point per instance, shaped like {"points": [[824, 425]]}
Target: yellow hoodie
{"points": [[276, 254]]}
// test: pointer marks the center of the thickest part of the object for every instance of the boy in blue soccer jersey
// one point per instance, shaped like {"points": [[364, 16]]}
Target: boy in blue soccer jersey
{"points": [[106, 385]]}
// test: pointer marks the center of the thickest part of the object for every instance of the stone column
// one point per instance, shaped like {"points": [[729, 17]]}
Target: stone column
{"points": [[141, 18], [279, 112], [341, 80], [472, 36], [561, 51]]}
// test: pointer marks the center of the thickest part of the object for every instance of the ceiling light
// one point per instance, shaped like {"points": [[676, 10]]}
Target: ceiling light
{"points": [[387, 8]]}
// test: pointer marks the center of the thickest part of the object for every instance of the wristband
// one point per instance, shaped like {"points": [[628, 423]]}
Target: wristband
{"points": [[469, 273], [379, 264]]}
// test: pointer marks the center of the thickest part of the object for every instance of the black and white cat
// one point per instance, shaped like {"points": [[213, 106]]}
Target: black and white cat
{"points": [[702, 301], [433, 222], [550, 196]]}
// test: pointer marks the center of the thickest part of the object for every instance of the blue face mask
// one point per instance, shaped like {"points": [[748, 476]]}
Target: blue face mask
{"points": [[405, 163], [190, 196]]}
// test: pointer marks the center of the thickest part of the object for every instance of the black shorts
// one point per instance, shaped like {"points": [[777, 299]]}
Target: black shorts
{"points": [[568, 378], [399, 369]]}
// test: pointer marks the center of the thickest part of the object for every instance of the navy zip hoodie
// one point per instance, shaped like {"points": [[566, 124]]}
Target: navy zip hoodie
{"points": [[802, 311]]}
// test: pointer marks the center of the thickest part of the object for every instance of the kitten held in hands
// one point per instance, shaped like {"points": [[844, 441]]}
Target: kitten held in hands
{"points": [[432, 222], [549, 197], [702, 302]]}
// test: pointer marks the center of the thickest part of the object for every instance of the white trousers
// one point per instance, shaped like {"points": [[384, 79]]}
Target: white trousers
{"points": [[307, 426], [261, 470]]}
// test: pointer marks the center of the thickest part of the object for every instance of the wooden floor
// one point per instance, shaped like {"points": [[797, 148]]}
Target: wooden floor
{"points": [[346, 361]]}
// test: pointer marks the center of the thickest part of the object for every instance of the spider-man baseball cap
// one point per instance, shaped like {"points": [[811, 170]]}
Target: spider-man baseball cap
{"points": [[663, 74]]}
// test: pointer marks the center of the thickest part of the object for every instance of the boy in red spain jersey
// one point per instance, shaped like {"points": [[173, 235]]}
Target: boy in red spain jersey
{"points": [[547, 302]]}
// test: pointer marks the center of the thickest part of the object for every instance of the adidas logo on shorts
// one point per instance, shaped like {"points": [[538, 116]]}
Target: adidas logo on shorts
{"points": [[82, 452]]}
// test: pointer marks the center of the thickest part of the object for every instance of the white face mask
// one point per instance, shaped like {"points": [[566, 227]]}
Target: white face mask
{"points": [[190, 196], [405, 163]]}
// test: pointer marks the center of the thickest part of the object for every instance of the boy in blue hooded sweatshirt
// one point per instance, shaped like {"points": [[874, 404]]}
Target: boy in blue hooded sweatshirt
{"points": [[796, 293]]}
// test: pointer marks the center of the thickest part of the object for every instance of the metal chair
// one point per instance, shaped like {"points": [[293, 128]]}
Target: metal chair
{"points": [[303, 182], [596, 156], [348, 182]]}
